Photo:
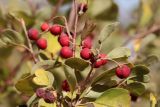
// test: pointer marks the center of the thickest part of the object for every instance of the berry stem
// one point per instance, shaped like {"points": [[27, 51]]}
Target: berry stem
{"points": [[28, 41], [75, 27]]}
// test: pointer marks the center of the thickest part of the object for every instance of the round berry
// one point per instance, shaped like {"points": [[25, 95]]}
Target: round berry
{"points": [[44, 26], [66, 52], [86, 53], [102, 57], [40, 92], [42, 43], [97, 63], [87, 42], [123, 71], [49, 97], [33, 34], [64, 39], [56, 29], [65, 86]]}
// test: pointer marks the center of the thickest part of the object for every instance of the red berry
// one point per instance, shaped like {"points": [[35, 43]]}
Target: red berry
{"points": [[97, 63], [86, 53], [64, 39], [123, 71], [44, 26], [66, 52], [56, 29], [65, 86], [40, 92], [87, 42], [42, 43], [33, 34], [102, 57]]}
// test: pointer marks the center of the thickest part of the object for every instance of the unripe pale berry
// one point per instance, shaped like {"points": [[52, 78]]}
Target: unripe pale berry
{"points": [[66, 52], [42, 43], [123, 71], [65, 86], [40, 92], [102, 57], [33, 34], [86, 53], [56, 29], [87, 42], [64, 39], [44, 26]]}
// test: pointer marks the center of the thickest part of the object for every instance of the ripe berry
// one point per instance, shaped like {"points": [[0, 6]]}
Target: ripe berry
{"points": [[97, 63], [49, 97], [42, 43], [66, 52], [33, 34], [64, 39], [56, 29], [123, 71], [65, 86], [87, 42], [44, 26], [86, 53], [40, 92], [82, 8], [102, 57]]}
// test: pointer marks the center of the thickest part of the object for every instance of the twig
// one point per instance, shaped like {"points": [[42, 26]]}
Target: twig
{"points": [[28, 41], [75, 27], [141, 35]]}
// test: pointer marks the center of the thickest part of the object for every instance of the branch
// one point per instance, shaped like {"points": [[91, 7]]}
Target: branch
{"points": [[141, 35]]}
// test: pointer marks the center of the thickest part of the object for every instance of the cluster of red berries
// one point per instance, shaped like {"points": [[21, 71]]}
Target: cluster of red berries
{"points": [[47, 95], [56, 30], [65, 86], [33, 34], [86, 53]]}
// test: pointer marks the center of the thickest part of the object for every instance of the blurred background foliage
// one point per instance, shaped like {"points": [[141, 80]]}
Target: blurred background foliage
{"points": [[136, 17]]}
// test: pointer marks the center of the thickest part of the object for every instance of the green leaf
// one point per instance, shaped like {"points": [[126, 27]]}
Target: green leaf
{"points": [[8, 37], [120, 52], [151, 60], [141, 78], [25, 85], [136, 88], [115, 97], [106, 31], [42, 103], [70, 78], [77, 63], [140, 70], [43, 64]]}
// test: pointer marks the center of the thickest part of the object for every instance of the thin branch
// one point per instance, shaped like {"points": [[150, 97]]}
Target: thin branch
{"points": [[75, 27], [28, 41], [141, 35]]}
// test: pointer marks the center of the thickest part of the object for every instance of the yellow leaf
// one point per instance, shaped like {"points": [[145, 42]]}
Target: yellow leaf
{"points": [[42, 77], [137, 45], [146, 13], [53, 44], [153, 100]]}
